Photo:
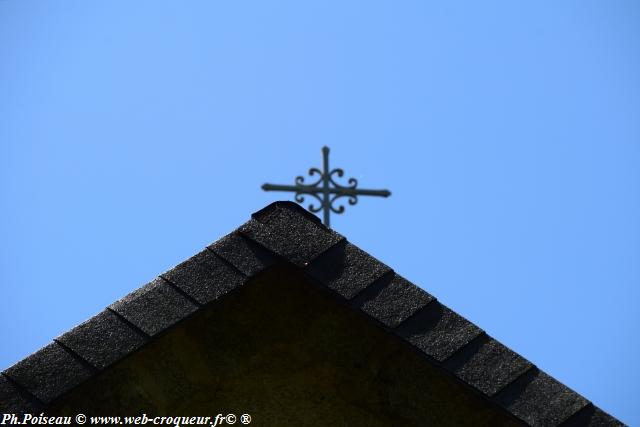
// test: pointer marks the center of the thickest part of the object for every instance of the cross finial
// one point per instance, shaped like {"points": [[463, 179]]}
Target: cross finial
{"points": [[325, 189]]}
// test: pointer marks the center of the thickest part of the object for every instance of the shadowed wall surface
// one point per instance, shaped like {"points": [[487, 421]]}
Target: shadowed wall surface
{"points": [[287, 353]]}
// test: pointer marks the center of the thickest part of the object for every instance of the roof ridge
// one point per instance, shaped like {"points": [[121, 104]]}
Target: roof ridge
{"points": [[285, 231]]}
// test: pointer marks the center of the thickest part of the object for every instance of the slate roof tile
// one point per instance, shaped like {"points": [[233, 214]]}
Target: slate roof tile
{"points": [[393, 299], [487, 365], [540, 400], [204, 277], [154, 307], [290, 235], [14, 401], [590, 416], [438, 331], [244, 254], [275, 210], [49, 372], [346, 269], [103, 339]]}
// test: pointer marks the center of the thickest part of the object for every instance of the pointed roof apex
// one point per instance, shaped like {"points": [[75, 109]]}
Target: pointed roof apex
{"points": [[285, 232], [285, 204]]}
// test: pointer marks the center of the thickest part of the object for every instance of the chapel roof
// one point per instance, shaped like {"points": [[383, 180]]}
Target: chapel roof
{"points": [[285, 232]]}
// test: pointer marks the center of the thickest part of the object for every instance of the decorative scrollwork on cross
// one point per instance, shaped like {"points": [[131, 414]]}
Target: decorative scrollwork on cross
{"points": [[299, 197], [327, 187]]}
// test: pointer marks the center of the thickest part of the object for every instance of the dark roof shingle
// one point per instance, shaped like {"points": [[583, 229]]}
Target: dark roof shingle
{"points": [[289, 234], [154, 307], [346, 269], [487, 365], [49, 372], [204, 277], [540, 400], [103, 339], [15, 401], [438, 331], [393, 299], [245, 255]]}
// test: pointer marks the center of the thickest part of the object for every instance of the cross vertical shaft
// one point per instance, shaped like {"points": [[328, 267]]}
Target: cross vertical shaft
{"points": [[325, 185]]}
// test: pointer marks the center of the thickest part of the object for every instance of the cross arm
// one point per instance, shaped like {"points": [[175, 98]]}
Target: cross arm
{"points": [[333, 190]]}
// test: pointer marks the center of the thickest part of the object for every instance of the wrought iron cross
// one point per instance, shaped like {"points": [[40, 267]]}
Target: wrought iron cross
{"points": [[322, 187]]}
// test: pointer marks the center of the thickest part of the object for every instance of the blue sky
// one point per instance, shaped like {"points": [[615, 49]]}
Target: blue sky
{"points": [[132, 134]]}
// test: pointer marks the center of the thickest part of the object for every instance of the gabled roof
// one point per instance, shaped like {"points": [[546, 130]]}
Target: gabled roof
{"points": [[283, 231]]}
